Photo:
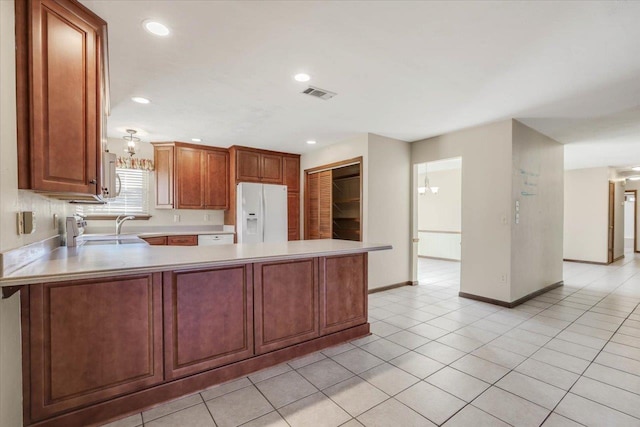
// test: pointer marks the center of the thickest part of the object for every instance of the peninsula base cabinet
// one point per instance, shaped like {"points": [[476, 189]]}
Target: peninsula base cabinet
{"points": [[91, 340], [96, 350], [208, 319]]}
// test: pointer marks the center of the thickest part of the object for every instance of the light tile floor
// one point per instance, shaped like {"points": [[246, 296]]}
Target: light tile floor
{"points": [[566, 358]]}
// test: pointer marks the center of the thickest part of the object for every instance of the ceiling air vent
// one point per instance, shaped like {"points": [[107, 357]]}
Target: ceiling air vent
{"points": [[319, 93]]}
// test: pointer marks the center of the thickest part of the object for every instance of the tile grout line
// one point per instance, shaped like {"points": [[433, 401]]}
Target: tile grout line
{"points": [[587, 367]]}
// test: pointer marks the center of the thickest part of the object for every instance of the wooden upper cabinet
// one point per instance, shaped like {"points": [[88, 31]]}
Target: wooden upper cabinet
{"points": [[93, 340], [217, 188], [60, 87], [163, 160], [191, 176], [291, 173], [266, 167], [248, 166], [271, 168], [258, 166]]}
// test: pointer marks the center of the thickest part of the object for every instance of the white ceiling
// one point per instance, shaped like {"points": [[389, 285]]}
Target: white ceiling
{"points": [[407, 70]]}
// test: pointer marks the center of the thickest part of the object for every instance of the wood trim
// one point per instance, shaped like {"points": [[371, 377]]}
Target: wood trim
{"points": [[611, 223], [336, 165], [188, 145], [439, 232], [393, 286], [512, 303], [635, 218], [439, 258], [23, 94], [145, 399], [261, 151]]}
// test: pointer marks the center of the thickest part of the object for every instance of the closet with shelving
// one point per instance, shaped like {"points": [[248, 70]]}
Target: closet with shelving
{"points": [[333, 201]]}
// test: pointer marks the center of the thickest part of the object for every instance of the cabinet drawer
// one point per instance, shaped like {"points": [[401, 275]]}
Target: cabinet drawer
{"points": [[160, 240], [182, 240]]}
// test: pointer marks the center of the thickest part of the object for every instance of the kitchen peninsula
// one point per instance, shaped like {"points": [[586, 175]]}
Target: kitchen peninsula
{"points": [[109, 330]]}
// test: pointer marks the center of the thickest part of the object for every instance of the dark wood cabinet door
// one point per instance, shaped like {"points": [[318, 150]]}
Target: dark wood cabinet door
{"points": [[271, 168], [247, 166], [286, 303], [343, 292], [163, 159], [208, 319], [190, 178], [65, 96], [293, 215], [217, 180], [291, 173], [93, 340]]}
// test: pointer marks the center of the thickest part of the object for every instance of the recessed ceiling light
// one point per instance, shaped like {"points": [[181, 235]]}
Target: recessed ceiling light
{"points": [[311, 142], [196, 139], [636, 168], [156, 28], [302, 77], [140, 100]]}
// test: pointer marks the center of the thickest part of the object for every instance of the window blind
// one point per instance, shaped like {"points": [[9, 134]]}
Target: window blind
{"points": [[133, 198]]}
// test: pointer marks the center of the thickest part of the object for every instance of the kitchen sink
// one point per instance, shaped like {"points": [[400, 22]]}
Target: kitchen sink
{"points": [[111, 239], [114, 242]]}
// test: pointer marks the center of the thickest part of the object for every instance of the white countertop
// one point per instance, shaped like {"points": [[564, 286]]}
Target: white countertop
{"points": [[115, 260]]}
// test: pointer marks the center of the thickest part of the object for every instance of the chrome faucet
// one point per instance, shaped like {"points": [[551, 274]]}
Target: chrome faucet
{"points": [[119, 222]]}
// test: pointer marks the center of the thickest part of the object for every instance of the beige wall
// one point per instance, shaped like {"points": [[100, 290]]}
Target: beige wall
{"points": [[385, 202], [441, 211], [11, 200], [537, 185], [389, 210], [486, 202], [585, 214]]}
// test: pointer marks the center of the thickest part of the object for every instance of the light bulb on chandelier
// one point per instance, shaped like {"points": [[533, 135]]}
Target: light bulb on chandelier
{"points": [[131, 140]]}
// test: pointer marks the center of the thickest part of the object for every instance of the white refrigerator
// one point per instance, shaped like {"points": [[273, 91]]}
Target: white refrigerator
{"points": [[261, 213]]}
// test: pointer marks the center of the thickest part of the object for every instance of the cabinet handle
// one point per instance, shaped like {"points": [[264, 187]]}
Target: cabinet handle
{"points": [[93, 181]]}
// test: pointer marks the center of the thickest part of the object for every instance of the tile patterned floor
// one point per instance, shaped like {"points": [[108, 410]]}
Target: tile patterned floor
{"points": [[566, 358]]}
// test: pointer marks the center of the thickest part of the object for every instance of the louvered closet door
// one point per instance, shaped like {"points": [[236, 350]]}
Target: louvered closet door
{"points": [[313, 200], [324, 204]]}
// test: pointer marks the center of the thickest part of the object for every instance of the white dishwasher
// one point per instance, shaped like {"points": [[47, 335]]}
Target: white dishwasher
{"points": [[215, 239]]}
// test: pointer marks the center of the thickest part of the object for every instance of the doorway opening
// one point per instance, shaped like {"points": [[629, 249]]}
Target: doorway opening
{"points": [[630, 221], [439, 222]]}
